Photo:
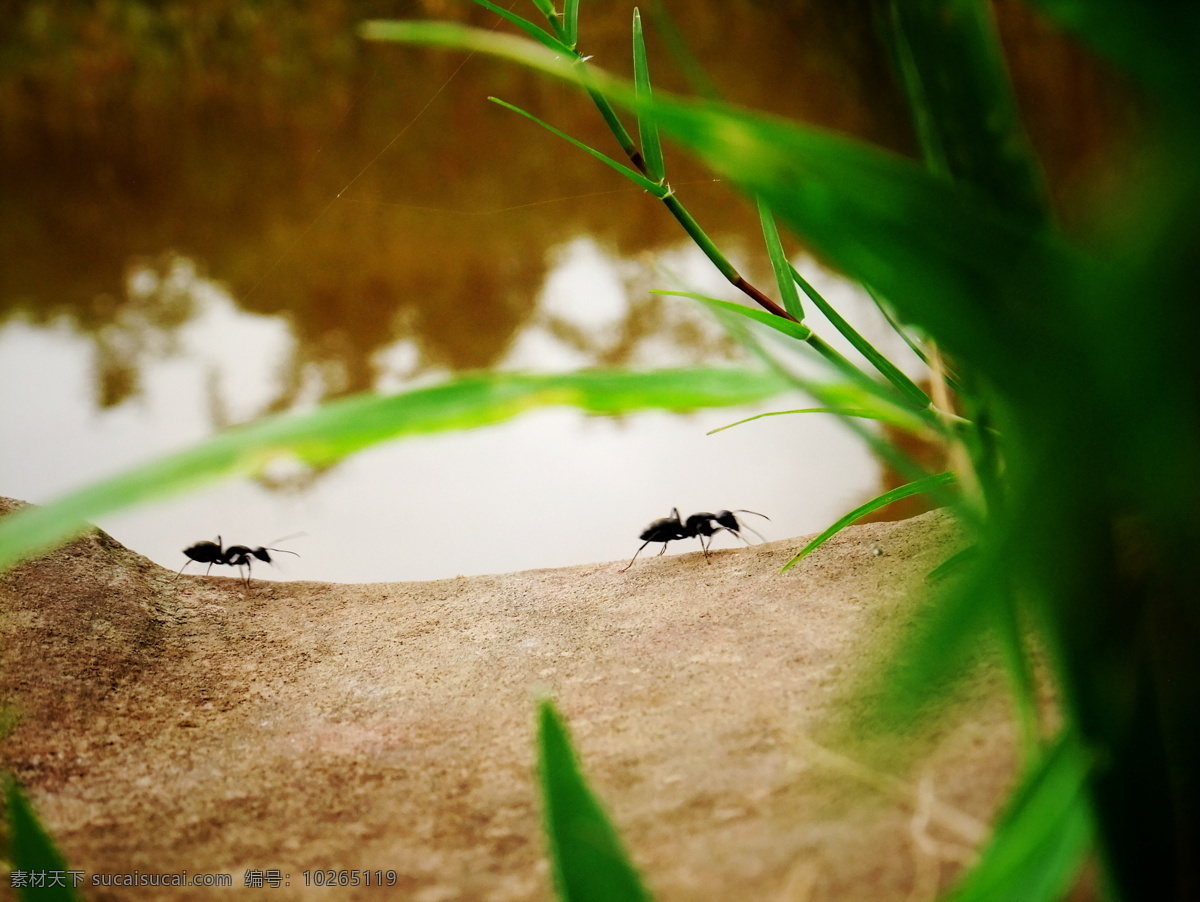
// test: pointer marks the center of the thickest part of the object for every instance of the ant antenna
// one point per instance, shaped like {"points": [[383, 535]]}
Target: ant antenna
{"points": [[295, 535]]}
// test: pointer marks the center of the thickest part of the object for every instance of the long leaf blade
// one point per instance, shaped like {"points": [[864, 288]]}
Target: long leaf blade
{"points": [[886, 368], [536, 32], [860, 394], [588, 860], [1156, 40], [952, 69], [779, 262], [552, 16], [778, 323], [636, 177], [1041, 839], [861, 413], [928, 484], [337, 430], [571, 22], [34, 852], [647, 130]]}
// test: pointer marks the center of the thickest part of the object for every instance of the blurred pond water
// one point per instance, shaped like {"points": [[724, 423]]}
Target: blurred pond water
{"points": [[213, 211]]}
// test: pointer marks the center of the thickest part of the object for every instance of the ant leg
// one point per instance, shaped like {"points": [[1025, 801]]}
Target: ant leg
{"points": [[631, 560], [705, 548], [181, 569], [661, 551]]}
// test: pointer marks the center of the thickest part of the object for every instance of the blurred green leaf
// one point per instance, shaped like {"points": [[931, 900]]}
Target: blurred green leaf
{"points": [[680, 53], [953, 72], [539, 34], [960, 626], [651, 147], [1156, 40], [586, 855], [339, 429], [952, 563], [34, 851], [779, 263], [1040, 841], [636, 177], [928, 484]]}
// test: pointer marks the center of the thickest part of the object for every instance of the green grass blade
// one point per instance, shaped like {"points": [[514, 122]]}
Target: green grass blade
{"points": [[779, 263], [571, 22], [617, 128], [896, 327], [587, 858], [537, 33], [553, 17], [838, 411], [952, 69], [886, 368], [680, 53], [1040, 841], [952, 563], [928, 484], [861, 393], [33, 850], [841, 395], [928, 245], [637, 178], [778, 323], [337, 430], [891, 407], [647, 131], [1155, 40]]}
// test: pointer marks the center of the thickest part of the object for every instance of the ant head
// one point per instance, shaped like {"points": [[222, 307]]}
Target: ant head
{"points": [[261, 553], [727, 519]]}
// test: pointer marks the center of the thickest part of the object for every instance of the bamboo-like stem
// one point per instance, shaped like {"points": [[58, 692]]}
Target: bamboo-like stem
{"points": [[727, 269]]}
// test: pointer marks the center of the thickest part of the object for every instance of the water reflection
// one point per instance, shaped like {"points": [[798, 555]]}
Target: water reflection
{"points": [[368, 194]]}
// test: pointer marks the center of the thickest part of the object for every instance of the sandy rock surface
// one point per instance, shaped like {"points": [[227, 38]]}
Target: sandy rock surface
{"points": [[193, 725]]}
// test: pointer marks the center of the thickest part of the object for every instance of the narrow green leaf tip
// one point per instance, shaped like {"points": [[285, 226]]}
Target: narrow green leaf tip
{"points": [[779, 262], [633, 175], [571, 22], [33, 851], [647, 130], [587, 859], [928, 484]]}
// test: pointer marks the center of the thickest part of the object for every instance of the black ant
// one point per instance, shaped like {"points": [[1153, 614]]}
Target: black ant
{"points": [[703, 526], [234, 556]]}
